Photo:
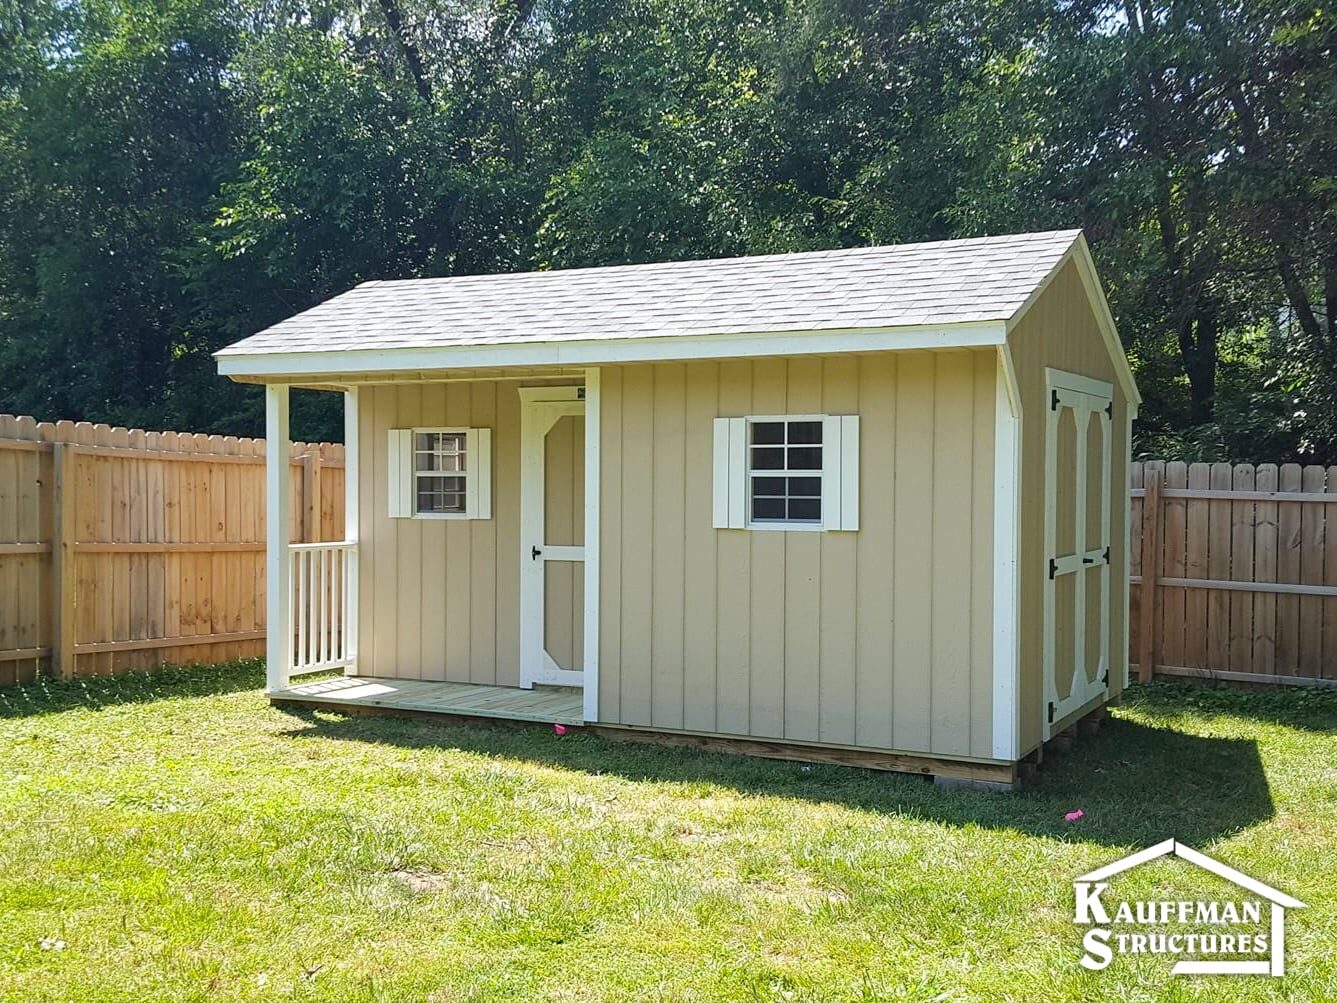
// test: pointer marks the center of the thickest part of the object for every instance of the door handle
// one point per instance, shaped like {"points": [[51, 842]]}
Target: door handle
{"points": [[534, 554]]}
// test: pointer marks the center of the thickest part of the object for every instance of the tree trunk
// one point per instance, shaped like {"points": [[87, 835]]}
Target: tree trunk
{"points": [[411, 55], [1198, 346]]}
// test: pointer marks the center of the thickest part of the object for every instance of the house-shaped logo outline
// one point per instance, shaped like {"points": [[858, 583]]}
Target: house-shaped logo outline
{"points": [[1280, 902]]}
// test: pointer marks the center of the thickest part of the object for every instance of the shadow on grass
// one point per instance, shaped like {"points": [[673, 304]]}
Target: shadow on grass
{"points": [[1135, 784], [1302, 707], [49, 696]]}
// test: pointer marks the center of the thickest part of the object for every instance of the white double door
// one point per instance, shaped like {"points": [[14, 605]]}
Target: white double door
{"points": [[552, 537], [1077, 544]]}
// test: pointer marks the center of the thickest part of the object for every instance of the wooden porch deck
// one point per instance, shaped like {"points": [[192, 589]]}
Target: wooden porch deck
{"points": [[557, 705]]}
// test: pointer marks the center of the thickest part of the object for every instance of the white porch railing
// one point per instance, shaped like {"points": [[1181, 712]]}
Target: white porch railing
{"points": [[322, 606]]}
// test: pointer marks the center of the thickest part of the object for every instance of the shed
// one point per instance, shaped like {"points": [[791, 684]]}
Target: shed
{"points": [[864, 505]]}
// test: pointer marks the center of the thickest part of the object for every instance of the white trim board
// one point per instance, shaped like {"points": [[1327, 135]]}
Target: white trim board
{"points": [[1006, 563], [574, 352], [278, 493], [352, 519]]}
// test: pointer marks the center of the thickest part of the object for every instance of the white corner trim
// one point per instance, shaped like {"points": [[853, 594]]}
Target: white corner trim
{"points": [[593, 433], [1127, 536], [1007, 568], [590, 352], [1008, 371]]}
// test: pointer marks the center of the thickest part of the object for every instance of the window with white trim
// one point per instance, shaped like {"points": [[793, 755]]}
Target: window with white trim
{"points": [[440, 473], [787, 472]]}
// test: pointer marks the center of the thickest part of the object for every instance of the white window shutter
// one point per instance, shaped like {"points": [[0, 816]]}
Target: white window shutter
{"points": [[720, 479], [840, 472], [849, 471], [730, 473], [478, 485], [738, 473], [399, 469]]}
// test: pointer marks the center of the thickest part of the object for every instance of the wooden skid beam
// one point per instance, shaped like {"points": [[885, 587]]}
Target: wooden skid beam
{"points": [[895, 762]]}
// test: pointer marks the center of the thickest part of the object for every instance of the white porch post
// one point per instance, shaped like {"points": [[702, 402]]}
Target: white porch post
{"points": [[278, 621], [351, 517]]}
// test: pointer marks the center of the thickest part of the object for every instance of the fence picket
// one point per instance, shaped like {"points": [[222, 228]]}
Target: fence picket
{"points": [[1195, 601], [1241, 569], [1312, 520], [1265, 570], [1174, 527], [1288, 570]]}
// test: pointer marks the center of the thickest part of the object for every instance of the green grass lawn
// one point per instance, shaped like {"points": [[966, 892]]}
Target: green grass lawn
{"points": [[172, 837]]}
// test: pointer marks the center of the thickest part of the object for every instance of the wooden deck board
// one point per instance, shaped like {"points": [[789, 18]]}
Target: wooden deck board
{"points": [[560, 706]]}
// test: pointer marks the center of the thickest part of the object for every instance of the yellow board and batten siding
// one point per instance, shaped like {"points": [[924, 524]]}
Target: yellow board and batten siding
{"points": [[1060, 331], [880, 638], [440, 597]]}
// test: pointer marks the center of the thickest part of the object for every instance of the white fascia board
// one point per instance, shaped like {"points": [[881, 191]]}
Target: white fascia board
{"points": [[607, 351]]}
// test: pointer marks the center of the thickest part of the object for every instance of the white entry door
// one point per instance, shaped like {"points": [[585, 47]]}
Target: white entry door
{"points": [[552, 536], [1077, 544]]}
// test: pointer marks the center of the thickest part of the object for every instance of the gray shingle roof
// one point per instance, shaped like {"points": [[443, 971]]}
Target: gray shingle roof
{"points": [[944, 282]]}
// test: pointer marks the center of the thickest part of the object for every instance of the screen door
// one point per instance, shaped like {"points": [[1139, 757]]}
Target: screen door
{"points": [[552, 559]]}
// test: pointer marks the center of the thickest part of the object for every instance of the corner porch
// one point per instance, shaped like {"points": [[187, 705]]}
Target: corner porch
{"points": [[483, 530]]}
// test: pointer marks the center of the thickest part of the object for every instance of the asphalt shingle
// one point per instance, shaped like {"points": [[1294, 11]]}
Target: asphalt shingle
{"points": [[944, 282]]}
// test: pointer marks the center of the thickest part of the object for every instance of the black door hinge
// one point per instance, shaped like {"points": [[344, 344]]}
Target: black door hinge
{"points": [[1106, 679], [1053, 400], [1109, 410], [1051, 712], [1107, 555], [1053, 568]]}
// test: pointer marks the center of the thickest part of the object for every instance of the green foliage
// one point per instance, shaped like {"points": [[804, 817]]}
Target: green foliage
{"points": [[174, 176]]}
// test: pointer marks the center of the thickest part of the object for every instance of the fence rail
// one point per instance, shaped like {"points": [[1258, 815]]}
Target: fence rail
{"points": [[123, 548], [1234, 572]]}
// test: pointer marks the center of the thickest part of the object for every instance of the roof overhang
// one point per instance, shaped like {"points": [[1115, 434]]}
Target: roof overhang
{"points": [[282, 366]]}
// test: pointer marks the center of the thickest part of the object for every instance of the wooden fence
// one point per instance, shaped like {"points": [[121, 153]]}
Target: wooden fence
{"points": [[1234, 572], [121, 548]]}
